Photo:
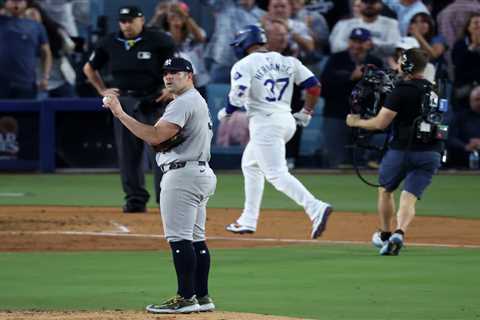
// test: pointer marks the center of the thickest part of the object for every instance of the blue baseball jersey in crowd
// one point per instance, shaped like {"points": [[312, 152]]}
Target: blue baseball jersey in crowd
{"points": [[21, 40]]}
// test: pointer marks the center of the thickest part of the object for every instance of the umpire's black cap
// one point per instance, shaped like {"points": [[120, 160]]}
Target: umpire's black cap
{"points": [[177, 64], [129, 12]]}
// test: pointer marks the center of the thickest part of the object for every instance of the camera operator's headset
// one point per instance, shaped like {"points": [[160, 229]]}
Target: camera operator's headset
{"points": [[407, 66]]}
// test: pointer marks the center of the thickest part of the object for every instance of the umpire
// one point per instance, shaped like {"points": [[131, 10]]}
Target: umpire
{"points": [[134, 57], [412, 156]]}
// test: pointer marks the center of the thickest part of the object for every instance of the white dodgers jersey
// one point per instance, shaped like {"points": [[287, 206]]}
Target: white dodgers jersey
{"points": [[262, 82]]}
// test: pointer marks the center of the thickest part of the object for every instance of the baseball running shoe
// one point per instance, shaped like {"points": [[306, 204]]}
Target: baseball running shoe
{"points": [[134, 208], [176, 304], [238, 228], [377, 240], [320, 222], [206, 303], [393, 246]]}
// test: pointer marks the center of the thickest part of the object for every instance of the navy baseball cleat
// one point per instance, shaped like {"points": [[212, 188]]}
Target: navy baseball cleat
{"points": [[239, 229], [176, 304], [377, 240], [134, 208], [393, 246], [320, 221]]}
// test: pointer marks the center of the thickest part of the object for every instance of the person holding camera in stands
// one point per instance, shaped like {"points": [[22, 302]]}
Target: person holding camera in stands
{"points": [[414, 153], [135, 56]]}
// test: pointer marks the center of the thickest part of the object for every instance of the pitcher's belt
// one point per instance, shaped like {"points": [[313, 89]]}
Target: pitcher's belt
{"points": [[180, 164]]}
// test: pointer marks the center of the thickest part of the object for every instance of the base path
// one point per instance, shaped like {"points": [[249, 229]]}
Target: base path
{"points": [[90, 228]]}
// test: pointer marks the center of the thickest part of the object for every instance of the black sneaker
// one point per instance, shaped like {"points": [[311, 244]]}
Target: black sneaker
{"points": [[134, 208], [393, 246], [176, 304]]}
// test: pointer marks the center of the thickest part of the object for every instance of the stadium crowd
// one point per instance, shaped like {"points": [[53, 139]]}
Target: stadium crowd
{"points": [[335, 39]]}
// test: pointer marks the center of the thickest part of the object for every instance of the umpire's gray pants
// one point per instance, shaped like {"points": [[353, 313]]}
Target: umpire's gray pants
{"points": [[130, 150], [183, 201]]}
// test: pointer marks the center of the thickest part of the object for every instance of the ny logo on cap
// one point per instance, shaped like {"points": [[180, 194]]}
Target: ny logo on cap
{"points": [[168, 62], [125, 11]]}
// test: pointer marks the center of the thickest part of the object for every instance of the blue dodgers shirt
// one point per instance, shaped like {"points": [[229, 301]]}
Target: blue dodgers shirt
{"points": [[20, 43]]}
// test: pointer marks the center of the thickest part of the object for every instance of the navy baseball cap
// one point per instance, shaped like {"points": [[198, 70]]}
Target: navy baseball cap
{"points": [[177, 64], [129, 12], [361, 34]]}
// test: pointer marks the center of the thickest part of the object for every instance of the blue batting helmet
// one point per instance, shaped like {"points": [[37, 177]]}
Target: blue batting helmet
{"points": [[247, 37]]}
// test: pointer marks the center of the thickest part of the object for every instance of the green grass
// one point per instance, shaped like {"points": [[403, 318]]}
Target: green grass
{"points": [[448, 195], [318, 282]]}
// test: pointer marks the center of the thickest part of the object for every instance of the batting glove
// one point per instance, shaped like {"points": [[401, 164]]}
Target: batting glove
{"points": [[303, 117]]}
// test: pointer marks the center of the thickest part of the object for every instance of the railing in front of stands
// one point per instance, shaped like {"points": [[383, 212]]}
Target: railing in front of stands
{"points": [[27, 131]]}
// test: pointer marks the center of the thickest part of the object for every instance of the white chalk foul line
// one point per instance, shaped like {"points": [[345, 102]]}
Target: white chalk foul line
{"points": [[121, 228], [12, 194], [300, 241]]}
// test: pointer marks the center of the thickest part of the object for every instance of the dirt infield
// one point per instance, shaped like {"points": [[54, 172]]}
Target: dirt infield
{"points": [[130, 315], [88, 228]]}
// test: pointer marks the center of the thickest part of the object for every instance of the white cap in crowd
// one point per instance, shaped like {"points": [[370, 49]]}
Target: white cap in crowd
{"points": [[406, 43]]}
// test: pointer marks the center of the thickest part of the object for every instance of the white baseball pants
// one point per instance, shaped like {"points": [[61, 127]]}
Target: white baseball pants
{"points": [[264, 157]]}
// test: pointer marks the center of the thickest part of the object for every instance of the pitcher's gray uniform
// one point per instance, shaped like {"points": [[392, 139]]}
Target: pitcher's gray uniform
{"points": [[185, 191], [182, 140]]}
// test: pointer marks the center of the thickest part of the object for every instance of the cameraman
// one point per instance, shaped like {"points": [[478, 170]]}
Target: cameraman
{"points": [[408, 158]]}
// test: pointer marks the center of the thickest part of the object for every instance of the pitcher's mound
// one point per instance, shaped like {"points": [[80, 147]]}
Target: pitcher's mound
{"points": [[133, 315]]}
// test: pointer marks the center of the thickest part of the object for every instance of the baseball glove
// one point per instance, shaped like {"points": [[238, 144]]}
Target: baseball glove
{"points": [[169, 144]]}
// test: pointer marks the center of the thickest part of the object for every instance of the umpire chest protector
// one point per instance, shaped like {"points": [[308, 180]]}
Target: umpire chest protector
{"points": [[136, 64]]}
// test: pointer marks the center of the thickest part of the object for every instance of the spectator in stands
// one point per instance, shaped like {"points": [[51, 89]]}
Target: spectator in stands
{"points": [[356, 8], [278, 37], [405, 10], [332, 10], [159, 18], [451, 20], [464, 135], [86, 13], [234, 130], [343, 70], [466, 58], [451, 23], [318, 28], [404, 44], [435, 6], [384, 30], [230, 17], [300, 37], [22, 39], [189, 39], [422, 28], [61, 11], [62, 74]]}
